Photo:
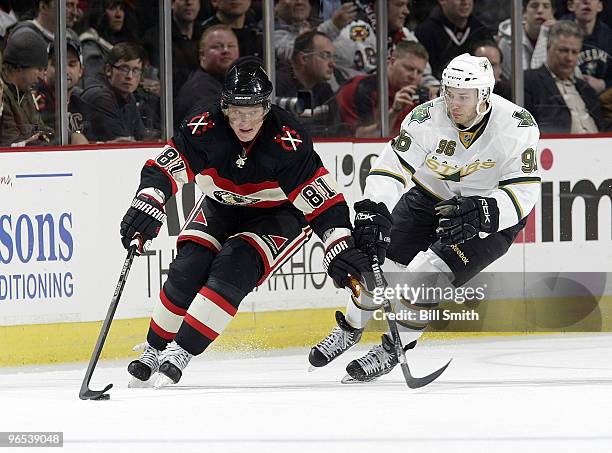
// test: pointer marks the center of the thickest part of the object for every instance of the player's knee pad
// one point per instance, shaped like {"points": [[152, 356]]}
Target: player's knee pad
{"points": [[235, 270], [187, 273]]}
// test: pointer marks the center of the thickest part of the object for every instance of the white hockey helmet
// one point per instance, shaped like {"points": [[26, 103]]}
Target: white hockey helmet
{"points": [[468, 71]]}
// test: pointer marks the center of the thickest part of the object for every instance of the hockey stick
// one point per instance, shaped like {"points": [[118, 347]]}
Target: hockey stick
{"points": [[411, 381], [86, 393]]}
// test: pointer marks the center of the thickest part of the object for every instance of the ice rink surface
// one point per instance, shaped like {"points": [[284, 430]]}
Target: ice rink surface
{"points": [[540, 393]]}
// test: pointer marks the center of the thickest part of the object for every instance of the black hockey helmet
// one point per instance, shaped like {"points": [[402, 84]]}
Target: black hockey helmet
{"points": [[246, 83]]}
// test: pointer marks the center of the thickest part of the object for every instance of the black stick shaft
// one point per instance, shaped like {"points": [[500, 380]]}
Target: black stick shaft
{"points": [[85, 392]]}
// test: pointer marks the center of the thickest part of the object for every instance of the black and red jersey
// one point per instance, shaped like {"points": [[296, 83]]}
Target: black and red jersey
{"points": [[281, 166]]}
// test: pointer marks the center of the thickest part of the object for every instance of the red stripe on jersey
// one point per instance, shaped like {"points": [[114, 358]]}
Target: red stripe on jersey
{"points": [[170, 306], [296, 192], [152, 163], [324, 207], [190, 174], [202, 328], [218, 300], [197, 240], [242, 189], [161, 332]]}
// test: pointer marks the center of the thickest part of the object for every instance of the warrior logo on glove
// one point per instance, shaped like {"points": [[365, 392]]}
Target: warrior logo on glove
{"points": [[143, 219]]}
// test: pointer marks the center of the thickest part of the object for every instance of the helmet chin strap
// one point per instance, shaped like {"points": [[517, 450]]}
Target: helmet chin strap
{"points": [[477, 119]]}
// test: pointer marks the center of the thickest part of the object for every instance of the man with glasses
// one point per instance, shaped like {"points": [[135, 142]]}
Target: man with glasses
{"points": [[304, 87], [112, 108], [266, 190]]}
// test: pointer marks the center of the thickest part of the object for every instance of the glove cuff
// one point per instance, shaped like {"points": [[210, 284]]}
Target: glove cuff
{"points": [[153, 193], [335, 249], [333, 234]]}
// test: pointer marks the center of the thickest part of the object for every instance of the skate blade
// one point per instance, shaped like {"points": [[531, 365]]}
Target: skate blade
{"points": [[312, 368], [347, 379], [162, 381], [136, 383]]}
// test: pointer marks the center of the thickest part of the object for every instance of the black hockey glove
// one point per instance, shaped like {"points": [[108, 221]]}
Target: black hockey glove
{"points": [[462, 218], [343, 260], [144, 218], [372, 230]]}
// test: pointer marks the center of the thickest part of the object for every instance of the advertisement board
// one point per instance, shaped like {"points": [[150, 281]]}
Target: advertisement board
{"points": [[60, 253]]}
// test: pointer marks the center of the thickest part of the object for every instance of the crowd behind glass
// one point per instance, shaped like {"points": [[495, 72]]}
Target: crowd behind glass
{"points": [[325, 62]]}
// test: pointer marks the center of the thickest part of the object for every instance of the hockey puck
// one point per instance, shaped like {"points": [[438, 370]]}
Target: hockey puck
{"points": [[103, 397]]}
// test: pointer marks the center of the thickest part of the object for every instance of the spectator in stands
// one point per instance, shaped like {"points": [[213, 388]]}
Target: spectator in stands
{"points": [[596, 55], [45, 92], [538, 17], [111, 106], [490, 50], [450, 30], [7, 18], [234, 14], [293, 17], [44, 21], [108, 26], [304, 89], [560, 102], [218, 50], [356, 45], [186, 33], [24, 65], [358, 99]]}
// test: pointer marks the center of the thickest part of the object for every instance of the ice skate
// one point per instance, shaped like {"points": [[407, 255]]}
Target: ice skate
{"points": [[173, 361], [342, 337], [143, 368], [379, 360]]}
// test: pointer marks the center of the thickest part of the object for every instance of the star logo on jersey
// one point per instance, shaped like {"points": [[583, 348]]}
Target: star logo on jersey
{"points": [[454, 177], [359, 33], [446, 171], [200, 123], [289, 139], [524, 117], [420, 113]]}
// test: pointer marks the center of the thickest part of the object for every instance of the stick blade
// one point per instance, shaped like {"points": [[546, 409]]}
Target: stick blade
{"points": [[415, 383], [88, 394]]}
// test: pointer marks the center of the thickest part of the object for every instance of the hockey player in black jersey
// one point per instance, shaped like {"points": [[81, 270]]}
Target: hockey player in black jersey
{"points": [[265, 191]]}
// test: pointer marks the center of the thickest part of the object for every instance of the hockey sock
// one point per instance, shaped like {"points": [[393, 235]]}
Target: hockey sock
{"points": [[234, 273], [187, 273]]}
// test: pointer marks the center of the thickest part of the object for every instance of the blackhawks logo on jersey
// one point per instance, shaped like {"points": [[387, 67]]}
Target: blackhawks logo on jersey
{"points": [[230, 198], [289, 139], [420, 113], [524, 117], [200, 123]]}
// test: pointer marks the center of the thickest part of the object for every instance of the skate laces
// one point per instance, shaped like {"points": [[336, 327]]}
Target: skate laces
{"points": [[149, 356], [333, 343], [377, 359], [175, 355]]}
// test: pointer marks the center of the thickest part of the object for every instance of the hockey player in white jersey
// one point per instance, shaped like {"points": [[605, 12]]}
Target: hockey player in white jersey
{"points": [[472, 158]]}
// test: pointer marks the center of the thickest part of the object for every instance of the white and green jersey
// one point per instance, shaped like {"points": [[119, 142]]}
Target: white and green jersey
{"points": [[497, 159]]}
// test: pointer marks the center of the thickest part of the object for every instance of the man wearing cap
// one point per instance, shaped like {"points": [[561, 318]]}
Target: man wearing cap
{"points": [[24, 65], [45, 92]]}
